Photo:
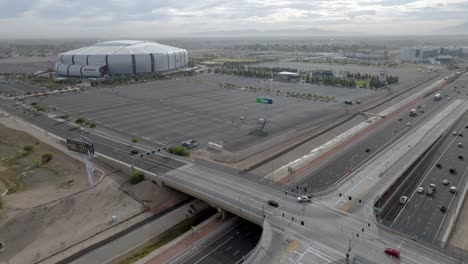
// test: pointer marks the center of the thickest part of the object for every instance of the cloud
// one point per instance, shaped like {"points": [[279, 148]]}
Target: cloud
{"points": [[130, 17]]}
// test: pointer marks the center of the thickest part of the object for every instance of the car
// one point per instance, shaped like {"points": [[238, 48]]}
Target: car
{"points": [[403, 199], [453, 189], [443, 209], [453, 171], [303, 198], [408, 124], [460, 145], [460, 134], [134, 151], [420, 190], [432, 186], [429, 191], [189, 144], [392, 252], [400, 119], [460, 156], [367, 150], [445, 182], [438, 165], [273, 203], [454, 133]]}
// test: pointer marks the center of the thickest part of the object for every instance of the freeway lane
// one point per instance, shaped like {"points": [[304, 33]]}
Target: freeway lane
{"points": [[421, 216], [228, 248], [341, 164]]}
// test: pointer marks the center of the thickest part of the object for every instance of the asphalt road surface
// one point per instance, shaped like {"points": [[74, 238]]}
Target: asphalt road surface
{"points": [[421, 217], [228, 248], [341, 164]]}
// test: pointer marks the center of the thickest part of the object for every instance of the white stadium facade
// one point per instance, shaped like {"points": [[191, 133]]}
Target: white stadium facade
{"points": [[121, 57]]}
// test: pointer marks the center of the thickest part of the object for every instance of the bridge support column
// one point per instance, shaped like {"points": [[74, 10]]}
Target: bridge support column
{"points": [[223, 213]]}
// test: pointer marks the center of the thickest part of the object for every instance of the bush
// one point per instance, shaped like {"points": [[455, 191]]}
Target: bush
{"points": [[80, 121], [179, 151], [137, 177], [28, 149], [92, 125], [46, 157], [65, 117]]}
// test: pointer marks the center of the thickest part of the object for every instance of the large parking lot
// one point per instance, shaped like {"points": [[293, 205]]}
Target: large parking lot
{"points": [[170, 111], [14, 88]]}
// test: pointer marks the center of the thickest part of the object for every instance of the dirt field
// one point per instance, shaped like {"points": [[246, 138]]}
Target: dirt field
{"points": [[29, 180], [50, 206]]}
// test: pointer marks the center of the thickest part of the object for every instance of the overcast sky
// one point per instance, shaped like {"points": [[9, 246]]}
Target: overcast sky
{"points": [[160, 18]]}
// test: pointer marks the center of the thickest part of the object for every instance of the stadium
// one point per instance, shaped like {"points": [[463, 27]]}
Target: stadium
{"points": [[121, 57]]}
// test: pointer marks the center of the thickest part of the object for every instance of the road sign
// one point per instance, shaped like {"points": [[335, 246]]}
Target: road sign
{"points": [[264, 100], [80, 146]]}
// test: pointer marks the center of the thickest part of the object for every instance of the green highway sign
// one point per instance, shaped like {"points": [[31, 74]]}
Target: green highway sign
{"points": [[264, 100]]}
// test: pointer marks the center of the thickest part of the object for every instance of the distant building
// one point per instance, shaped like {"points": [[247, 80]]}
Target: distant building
{"points": [[445, 59], [429, 54], [367, 54], [322, 73], [285, 76]]}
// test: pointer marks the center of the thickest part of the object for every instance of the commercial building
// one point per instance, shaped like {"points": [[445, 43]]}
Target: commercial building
{"points": [[121, 57], [322, 73], [428, 54], [285, 76]]}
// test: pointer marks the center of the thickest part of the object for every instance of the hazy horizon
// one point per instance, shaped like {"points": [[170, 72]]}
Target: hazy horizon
{"points": [[165, 19]]}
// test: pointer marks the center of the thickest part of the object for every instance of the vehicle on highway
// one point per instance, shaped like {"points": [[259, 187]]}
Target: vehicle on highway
{"points": [[437, 97], [460, 156], [348, 102], [460, 145], [443, 209], [408, 124], [420, 190], [460, 134], [303, 198], [189, 144], [445, 182], [454, 133], [413, 112], [400, 119], [273, 203], [367, 150], [453, 171], [134, 151], [392, 252], [453, 189], [358, 102], [438, 165], [403, 199]]}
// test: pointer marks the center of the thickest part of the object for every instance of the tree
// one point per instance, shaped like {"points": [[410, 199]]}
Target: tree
{"points": [[47, 157], [92, 125]]}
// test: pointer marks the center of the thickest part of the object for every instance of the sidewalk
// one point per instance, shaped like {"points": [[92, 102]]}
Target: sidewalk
{"points": [[184, 242]]}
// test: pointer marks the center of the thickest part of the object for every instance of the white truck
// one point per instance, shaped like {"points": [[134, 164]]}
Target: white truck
{"points": [[437, 97]]}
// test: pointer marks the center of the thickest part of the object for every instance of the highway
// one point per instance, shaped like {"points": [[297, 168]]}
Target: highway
{"points": [[227, 248], [341, 164], [421, 216], [294, 230]]}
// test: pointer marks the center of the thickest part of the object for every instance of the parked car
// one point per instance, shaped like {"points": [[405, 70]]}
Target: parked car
{"points": [[189, 144], [432, 186], [273, 203], [408, 124], [134, 151], [453, 189], [454, 133], [367, 150], [303, 198], [420, 190], [392, 252], [445, 182], [460, 145]]}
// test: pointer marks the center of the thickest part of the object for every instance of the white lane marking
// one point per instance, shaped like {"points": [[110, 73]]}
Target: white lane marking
{"points": [[424, 178], [209, 253]]}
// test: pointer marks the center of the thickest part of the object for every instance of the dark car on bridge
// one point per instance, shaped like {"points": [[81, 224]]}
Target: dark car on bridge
{"points": [[273, 203]]}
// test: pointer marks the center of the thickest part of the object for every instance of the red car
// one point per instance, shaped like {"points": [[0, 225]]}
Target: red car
{"points": [[392, 252]]}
